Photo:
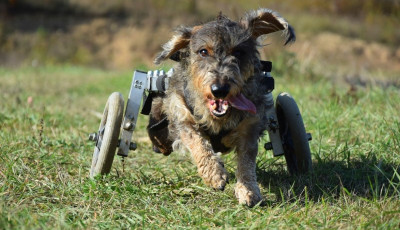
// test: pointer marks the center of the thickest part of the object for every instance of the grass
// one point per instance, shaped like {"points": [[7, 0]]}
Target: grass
{"points": [[45, 159]]}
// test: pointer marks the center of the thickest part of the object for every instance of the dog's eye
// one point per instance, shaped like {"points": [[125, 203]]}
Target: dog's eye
{"points": [[203, 52]]}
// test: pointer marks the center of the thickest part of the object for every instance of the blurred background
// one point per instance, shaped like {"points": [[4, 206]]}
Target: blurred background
{"points": [[351, 40]]}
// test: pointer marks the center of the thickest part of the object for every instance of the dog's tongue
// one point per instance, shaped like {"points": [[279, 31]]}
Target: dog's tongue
{"points": [[242, 103]]}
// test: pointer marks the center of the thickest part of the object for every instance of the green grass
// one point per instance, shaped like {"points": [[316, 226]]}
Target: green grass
{"points": [[45, 159]]}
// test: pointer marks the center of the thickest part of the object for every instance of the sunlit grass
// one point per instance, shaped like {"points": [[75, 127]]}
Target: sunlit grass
{"points": [[45, 159]]}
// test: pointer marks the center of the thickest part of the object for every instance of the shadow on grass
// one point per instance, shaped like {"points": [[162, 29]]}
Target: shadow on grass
{"points": [[368, 178]]}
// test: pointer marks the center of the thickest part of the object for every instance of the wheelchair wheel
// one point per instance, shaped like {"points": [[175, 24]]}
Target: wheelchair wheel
{"points": [[107, 136], [293, 135]]}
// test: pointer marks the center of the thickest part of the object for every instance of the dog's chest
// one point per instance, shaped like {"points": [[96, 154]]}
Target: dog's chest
{"points": [[217, 142]]}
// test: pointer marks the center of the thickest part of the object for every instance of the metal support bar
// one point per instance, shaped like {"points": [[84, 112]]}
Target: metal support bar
{"points": [[139, 84], [273, 128]]}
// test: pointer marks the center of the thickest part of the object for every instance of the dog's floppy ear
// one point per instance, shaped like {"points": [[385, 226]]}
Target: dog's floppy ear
{"points": [[179, 41], [265, 21]]}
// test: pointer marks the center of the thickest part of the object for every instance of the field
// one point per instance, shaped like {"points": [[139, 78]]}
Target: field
{"points": [[61, 59], [47, 113]]}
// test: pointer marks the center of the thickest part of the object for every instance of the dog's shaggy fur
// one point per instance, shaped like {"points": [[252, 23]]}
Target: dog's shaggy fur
{"points": [[215, 102]]}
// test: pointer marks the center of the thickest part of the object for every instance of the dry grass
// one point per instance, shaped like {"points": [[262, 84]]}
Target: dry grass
{"points": [[118, 34]]}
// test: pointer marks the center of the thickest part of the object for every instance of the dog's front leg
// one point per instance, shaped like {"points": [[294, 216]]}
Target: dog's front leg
{"points": [[247, 190], [209, 165]]}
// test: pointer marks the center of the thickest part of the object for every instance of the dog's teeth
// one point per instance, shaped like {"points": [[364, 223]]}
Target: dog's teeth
{"points": [[218, 107]]}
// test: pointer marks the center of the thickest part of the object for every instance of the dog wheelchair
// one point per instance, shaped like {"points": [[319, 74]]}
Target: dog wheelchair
{"points": [[285, 126]]}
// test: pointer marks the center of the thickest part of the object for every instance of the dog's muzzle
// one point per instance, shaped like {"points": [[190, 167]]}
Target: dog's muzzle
{"points": [[218, 106]]}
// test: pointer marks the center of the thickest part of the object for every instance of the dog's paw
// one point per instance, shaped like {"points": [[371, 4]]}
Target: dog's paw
{"points": [[215, 175], [248, 194]]}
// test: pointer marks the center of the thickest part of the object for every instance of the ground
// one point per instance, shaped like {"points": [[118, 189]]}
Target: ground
{"points": [[46, 158], [52, 89]]}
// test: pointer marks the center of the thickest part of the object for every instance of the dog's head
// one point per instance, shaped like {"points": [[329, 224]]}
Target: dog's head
{"points": [[221, 56]]}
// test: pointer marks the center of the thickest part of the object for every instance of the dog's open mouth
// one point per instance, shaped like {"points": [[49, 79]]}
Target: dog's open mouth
{"points": [[220, 107]]}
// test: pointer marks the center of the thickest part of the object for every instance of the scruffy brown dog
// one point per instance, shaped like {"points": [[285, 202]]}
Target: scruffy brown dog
{"points": [[215, 102]]}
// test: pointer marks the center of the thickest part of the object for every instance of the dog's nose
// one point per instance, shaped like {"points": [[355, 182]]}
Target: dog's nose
{"points": [[220, 91]]}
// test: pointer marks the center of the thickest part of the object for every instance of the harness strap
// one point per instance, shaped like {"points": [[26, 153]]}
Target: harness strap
{"points": [[147, 104]]}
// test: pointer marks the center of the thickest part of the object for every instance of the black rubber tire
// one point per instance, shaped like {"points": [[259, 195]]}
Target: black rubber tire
{"points": [[293, 135], [111, 123]]}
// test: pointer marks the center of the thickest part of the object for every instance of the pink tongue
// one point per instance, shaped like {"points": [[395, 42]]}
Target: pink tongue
{"points": [[242, 103]]}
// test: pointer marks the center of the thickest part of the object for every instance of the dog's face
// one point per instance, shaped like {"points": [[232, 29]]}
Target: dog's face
{"points": [[221, 57]]}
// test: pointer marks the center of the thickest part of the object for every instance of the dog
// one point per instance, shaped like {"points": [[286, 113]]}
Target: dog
{"points": [[215, 103]]}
